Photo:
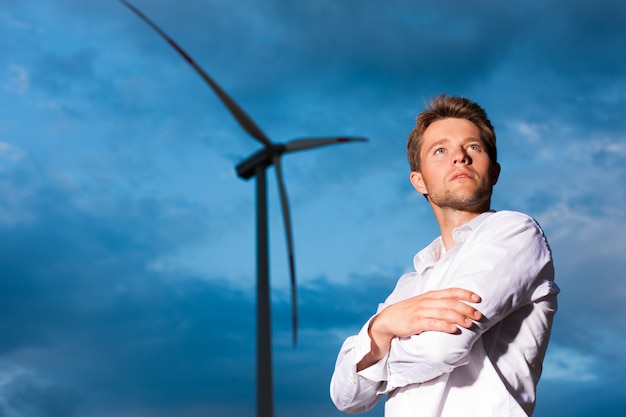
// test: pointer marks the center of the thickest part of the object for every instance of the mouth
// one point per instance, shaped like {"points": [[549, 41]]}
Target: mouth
{"points": [[461, 175]]}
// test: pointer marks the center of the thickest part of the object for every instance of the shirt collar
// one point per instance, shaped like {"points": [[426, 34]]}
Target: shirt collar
{"points": [[428, 256], [461, 233]]}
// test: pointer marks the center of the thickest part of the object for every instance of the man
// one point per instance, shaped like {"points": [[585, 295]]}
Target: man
{"points": [[466, 333]]}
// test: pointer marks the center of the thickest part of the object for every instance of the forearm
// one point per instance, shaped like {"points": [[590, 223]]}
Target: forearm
{"points": [[380, 344], [421, 358], [443, 311], [353, 391]]}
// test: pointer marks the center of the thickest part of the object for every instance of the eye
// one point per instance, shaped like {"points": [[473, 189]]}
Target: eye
{"points": [[474, 147], [439, 151]]}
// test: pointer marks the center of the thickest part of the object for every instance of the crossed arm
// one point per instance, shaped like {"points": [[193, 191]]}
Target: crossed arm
{"points": [[355, 389], [441, 310]]}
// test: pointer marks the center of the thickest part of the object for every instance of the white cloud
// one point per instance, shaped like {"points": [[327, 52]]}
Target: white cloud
{"points": [[15, 23], [530, 131], [18, 79], [8, 373], [10, 376], [10, 152], [566, 364]]}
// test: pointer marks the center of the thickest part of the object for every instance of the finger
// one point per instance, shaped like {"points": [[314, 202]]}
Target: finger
{"points": [[438, 326], [453, 306], [448, 316], [457, 293]]}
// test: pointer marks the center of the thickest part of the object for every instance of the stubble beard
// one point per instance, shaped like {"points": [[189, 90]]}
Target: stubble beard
{"points": [[477, 200]]}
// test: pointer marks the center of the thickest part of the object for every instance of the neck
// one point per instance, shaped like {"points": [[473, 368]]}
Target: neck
{"points": [[449, 219]]}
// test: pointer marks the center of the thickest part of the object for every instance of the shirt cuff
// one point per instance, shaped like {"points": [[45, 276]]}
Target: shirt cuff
{"points": [[377, 372]]}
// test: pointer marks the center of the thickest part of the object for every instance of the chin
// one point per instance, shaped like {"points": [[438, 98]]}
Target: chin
{"points": [[477, 201]]}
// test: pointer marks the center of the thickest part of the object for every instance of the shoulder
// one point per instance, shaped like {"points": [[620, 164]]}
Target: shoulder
{"points": [[510, 215], [507, 224], [512, 219]]}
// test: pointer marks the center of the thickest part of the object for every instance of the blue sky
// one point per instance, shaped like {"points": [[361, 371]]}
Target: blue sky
{"points": [[127, 246]]}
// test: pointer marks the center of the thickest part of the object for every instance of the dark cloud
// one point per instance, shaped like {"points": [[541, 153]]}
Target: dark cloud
{"points": [[81, 306], [584, 399], [583, 38]]}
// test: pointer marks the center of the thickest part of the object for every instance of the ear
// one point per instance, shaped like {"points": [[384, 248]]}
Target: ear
{"points": [[495, 173], [418, 182]]}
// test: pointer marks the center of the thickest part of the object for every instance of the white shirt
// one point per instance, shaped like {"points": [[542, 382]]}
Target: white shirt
{"points": [[491, 369]]}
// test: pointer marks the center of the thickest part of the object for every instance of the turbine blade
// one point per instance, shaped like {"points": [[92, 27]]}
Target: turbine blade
{"points": [[241, 117], [308, 143], [288, 232]]}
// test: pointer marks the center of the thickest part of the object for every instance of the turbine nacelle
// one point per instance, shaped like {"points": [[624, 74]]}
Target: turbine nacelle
{"points": [[265, 157]]}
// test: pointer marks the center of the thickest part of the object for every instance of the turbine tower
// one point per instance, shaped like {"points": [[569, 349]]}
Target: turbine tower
{"points": [[256, 166]]}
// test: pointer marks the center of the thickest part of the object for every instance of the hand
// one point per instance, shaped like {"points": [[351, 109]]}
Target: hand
{"points": [[441, 310]]}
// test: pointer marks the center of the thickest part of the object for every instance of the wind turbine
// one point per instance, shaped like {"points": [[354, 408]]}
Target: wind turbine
{"points": [[255, 166]]}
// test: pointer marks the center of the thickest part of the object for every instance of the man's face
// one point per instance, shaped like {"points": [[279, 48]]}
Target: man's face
{"points": [[456, 171]]}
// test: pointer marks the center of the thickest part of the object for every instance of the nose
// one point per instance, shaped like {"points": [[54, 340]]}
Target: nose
{"points": [[460, 156]]}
